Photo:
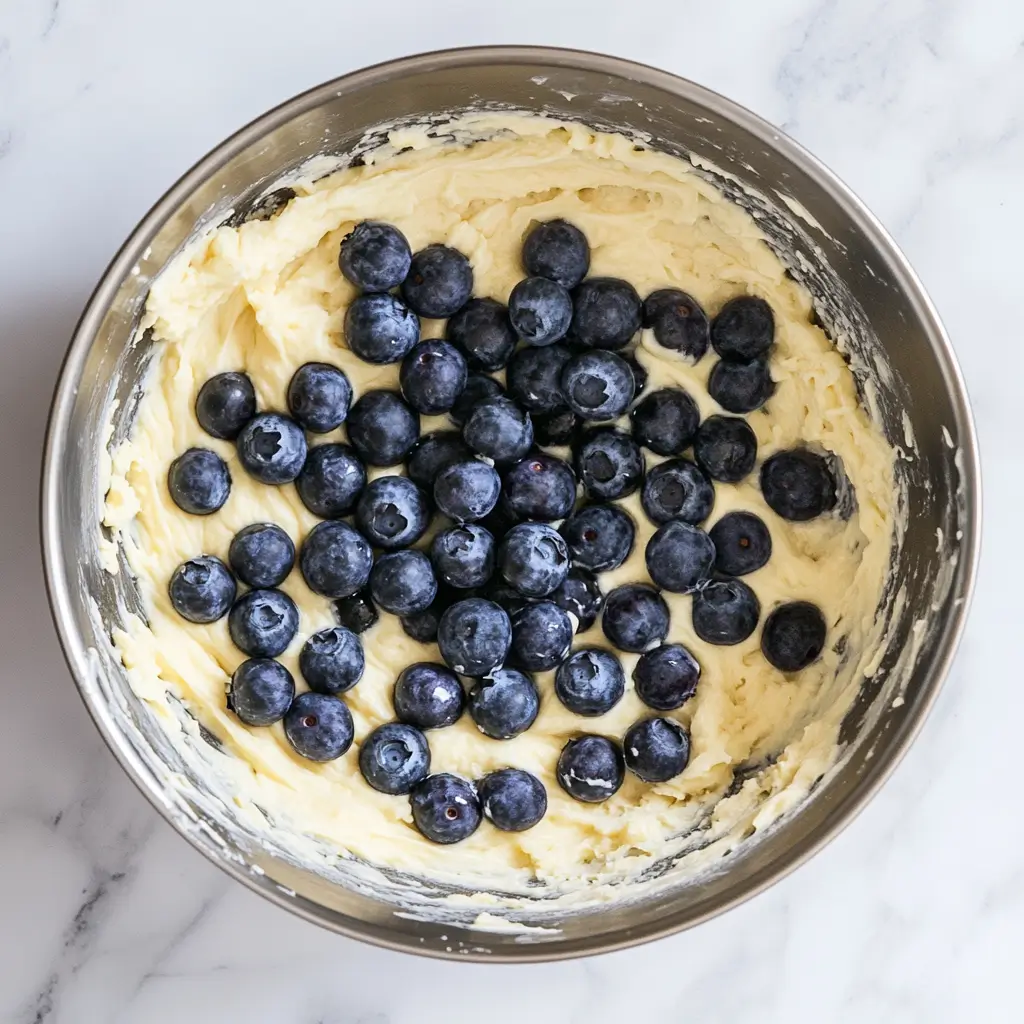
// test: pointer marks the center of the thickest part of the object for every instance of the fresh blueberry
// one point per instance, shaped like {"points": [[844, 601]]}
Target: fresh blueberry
{"points": [[534, 559], [798, 485], [479, 388], [261, 691], [261, 555], [392, 512], [599, 537], [335, 560], [677, 489], [445, 808], [319, 396], [356, 612], [540, 487], [380, 328], [422, 626], [225, 404], [262, 623], [743, 329], [667, 677], [540, 311], [541, 636], [319, 727], [560, 428], [597, 385], [741, 386], [504, 704], [678, 321], [199, 481], [580, 595], [725, 448], [500, 519], [483, 331], [394, 758], [499, 430], [680, 557], [656, 749], [403, 582], [742, 543], [375, 256], [609, 464], [512, 799], [432, 377], [272, 448], [439, 282], [382, 428], [606, 313], [666, 421], [463, 556], [433, 453], [428, 696], [635, 617], [639, 374], [331, 480], [202, 589], [725, 612], [793, 636], [591, 768], [504, 595], [590, 681], [331, 660], [474, 636], [467, 491], [534, 377], [558, 251]]}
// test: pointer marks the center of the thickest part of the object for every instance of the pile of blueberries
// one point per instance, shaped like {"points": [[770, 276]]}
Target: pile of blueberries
{"points": [[500, 590]]}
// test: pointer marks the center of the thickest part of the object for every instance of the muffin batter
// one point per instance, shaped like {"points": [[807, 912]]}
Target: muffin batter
{"points": [[268, 297]]}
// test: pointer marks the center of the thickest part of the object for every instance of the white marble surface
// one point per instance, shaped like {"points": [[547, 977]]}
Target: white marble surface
{"points": [[916, 913]]}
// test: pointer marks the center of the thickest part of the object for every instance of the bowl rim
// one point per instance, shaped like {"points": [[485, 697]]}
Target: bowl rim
{"points": [[76, 652]]}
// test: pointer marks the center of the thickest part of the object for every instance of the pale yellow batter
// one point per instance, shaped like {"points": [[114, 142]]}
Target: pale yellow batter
{"points": [[268, 296]]}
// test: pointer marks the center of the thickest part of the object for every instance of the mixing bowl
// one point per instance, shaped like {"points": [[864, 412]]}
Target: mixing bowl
{"points": [[866, 296]]}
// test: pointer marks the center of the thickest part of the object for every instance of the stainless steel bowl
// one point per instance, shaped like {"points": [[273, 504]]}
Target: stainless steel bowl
{"points": [[864, 290]]}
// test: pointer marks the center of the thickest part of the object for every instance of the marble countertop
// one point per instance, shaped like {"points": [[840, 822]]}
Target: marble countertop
{"points": [[915, 913]]}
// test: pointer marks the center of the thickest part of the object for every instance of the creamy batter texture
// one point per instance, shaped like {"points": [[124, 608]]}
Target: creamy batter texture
{"points": [[268, 297]]}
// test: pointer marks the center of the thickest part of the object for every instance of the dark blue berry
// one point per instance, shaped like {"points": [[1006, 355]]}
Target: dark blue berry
{"points": [[403, 582], [677, 489], [331, 480], [499, 430], [591, 768], [272, 448], [590, 682], [392, 512], [558, 251], [635, 617], [479, 388], [534, 377], [199, 481], [656, 749], [474, 636], [394, 758], [463, 556], [667, 677], [541, 636], [639, 374], [725, 448], [742, 543], [482, 330], [540, 311], [356, 612], [540, 487], [597, 385], [439, 282], [743, 329], [680, 557], [798, 485], [261, 555], [467, 491], [609, 464], [318, 727], [432, 377], [725, 612], [445, 808], [599, 537], [666, 421], [579, 595], [202, 589], [500, 519], [533, 558], [559, 428], [380, 328], [331, 660], [375, 256], [428, 696], [261, 691], [319, 396], [512, 799], [606, 313], [741, 386], [335, 560], [382, 428], [793, 636], [505, 595], [433, 453], [678, 321], [262, 623], [225, 404], [504, 704], [422, 626]]}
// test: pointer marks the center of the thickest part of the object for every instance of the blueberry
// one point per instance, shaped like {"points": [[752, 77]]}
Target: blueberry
{"points": [[504, 595], [559, 428], [261, 691], [356, 612], [380, 328], [500, 519], [199, 481], [504, 704], [590, 682], [534, 377], [318, 727], [382, 428], [403, 582], [422, 626], [680, 557], [428, 696], [433, 453], [483, 331], [666, 421], [439, 282], [225, 404], [678, 321], [725, 612], [798, 485], [319, 396], [262, 623], [793, 636], [540, 311], [666, 677], [534, 559], [432, 377], [725, 448], [677, 489], [606, 313], [512, 799], [599, 537], [331, 660], [639, 374], [261, 555], [743, 329], [609, 464], [272, 448], [467, 491], [375, 256], [445, 808], [580, 595], [335, 560], [635, 617], [394, 758], [541, 636], [392, 512], [474, 636], [591, 768], [558, 251], [331, 480], [741, 386], [201, 589], [479, 388], [656, 749], [463, 556], [499, 430], [540, 487], [742, 543], [597, 385]]}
